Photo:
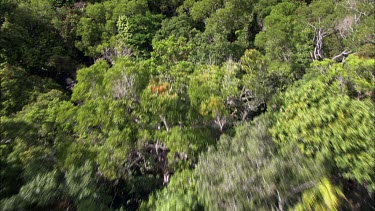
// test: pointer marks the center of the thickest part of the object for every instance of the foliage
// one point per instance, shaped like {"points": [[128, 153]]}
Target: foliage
{"points": [[323, 197], [319, 116], [187, 105], [30, 40], [262, 78], [286, 38], [137, 32], [17, 92], [131, 20], [249, 160], [179, 195]]}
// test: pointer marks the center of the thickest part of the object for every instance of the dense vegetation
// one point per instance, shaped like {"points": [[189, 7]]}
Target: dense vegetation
{"points": [[187, 105]]}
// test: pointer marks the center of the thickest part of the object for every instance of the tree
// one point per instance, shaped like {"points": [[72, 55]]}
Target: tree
{"points": [[30, 40], [285, 37], [247, 172], [74, 189], [117, 25], [187, 104], [18, 89], [103, 119], [179, 195], [167, 8], [138, 31], [163, 103], [177, 26], [261, 80], [324, 196], [319, 116], [33, 145], [171, 50], [205, 94]]}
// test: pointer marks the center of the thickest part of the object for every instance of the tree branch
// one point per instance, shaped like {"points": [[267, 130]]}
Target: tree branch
{"points": [[343, 54], [164, 120], [303, 187]]}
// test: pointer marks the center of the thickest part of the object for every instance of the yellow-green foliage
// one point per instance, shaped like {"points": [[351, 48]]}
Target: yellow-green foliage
{"points": [[319, 115], [323, 196]]}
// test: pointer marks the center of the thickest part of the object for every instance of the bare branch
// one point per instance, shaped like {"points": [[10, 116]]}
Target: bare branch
{"points": [[220, 121], [342, 55], [164, 120], [303, 187]]}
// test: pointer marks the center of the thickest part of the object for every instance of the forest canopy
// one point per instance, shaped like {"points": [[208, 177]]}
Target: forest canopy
{"points": [[187, 105]]}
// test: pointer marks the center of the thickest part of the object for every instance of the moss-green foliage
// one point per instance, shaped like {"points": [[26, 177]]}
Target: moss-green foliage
{"points": [[181, 194], [185, 145], [286, 37], [30, 38], [17, 89], [76, 189], [246, 171], [153, 105], [263, 78], [117, 24], [107, 97], [137, 32], [319, 115]]}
